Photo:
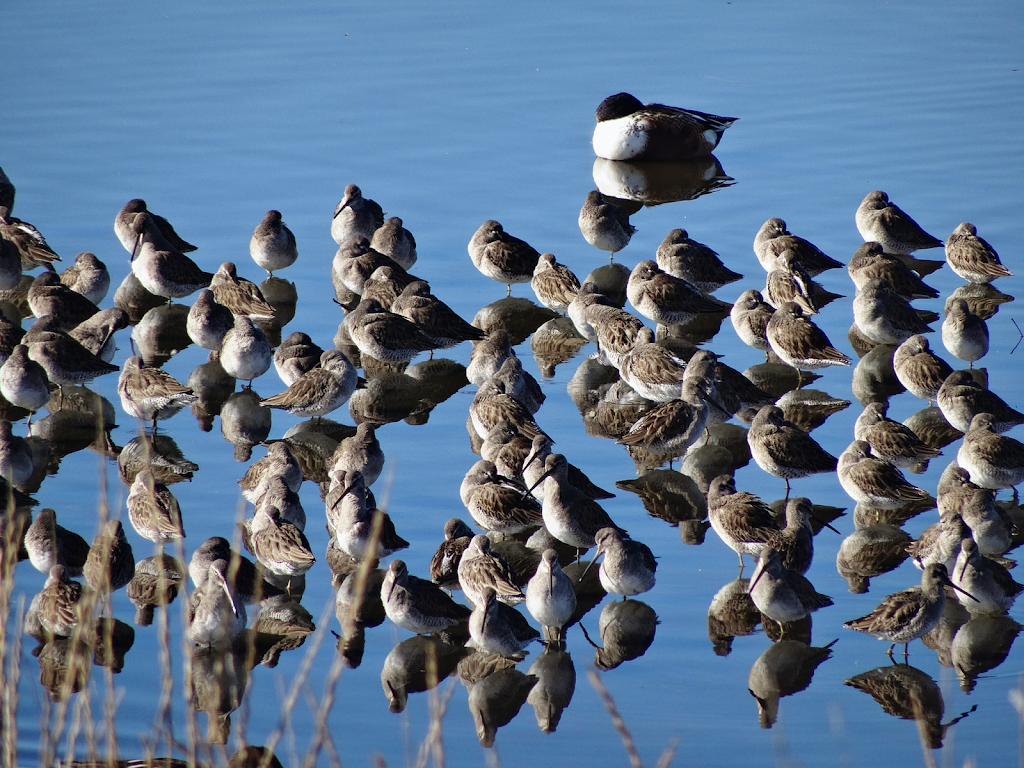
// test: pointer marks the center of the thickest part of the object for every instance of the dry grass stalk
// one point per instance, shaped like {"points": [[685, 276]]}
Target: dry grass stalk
{"points": [[623, 729]]}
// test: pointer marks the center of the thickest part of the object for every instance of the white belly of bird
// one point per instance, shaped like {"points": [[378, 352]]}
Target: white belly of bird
{"points": [[619, 139]]}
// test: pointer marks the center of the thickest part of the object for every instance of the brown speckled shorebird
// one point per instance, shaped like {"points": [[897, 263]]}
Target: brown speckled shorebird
{"points": [[444, 565], [884, 316], [919, 369], [481, 568], [971, 257], [782, 449], [241, 296], [383, 335], [672, 427], [800, 343], [628, 566], [319, 391], [497, 503], [395, 241], [869, 480], [279, 546], [498, 628], [272, 245], [961, 398], [435, 319], [665, 299], [29, 241], [891, 441], [885, 223], [652, 370], [418, 605], [151, 394], [555, 284], [502, 257], [49, 544], [111, 564], [153, 511], [750, 315], [170, 240], [550, 596], [693, 262], [992, 460], [61, 606], [773, 240], [964, 334], [780, 594], [991, 585], [870, 262], [741, 520], [165, 273], [355, 216], [910, 614], [604, 225]]}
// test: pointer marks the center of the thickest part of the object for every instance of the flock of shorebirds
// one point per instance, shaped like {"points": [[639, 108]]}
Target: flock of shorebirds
{"points": [[539, 512]]}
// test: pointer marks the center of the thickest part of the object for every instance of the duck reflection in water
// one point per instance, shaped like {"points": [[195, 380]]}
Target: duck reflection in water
{"points": [[731, 614], [909, 694]]}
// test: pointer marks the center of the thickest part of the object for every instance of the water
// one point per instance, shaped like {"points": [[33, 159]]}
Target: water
{"points": [[458, 114]]}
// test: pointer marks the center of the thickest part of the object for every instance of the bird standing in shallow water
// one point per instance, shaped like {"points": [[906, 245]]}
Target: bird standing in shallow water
{"points": [[910, 614], [629, 130]]}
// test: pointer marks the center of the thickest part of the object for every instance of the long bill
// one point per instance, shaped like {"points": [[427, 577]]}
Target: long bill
{"points": [[540, 480]]}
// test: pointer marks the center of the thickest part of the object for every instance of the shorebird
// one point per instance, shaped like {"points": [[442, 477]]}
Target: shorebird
{"points": [[435, 319], [286, 501], [245, 352], [355, 216], [550, 596], [61, 606], [488, 356], [741, 520], [750, 315], [971, 257], [665, 299], [11, 334], [961, 398], [272, 245], [604, 224], [29, 241], [628, 567], [910, 614], [992, 460], [919, 369], [48, 296], [940, 542], [208, 321], [629, 130], [673, 426], [354, 264], [418, 605], [773, 240], [165, 273], [990, 585], [153, 511], [444, 565], [555, 284], [990, 527], [321, 390], [497, 503], [883, 222], [780, 594], [359, 453], [532, 464], [481, 568], [215, 614], [279, 461], [87, 276], [383, 335], [568, 514], [795, 542], [241, 296], [492, 405], [394, 240], [884, 316], [65, 361], [498, 628], [615, 331], [874, 482], [125, 219], [964, 334], [23, 381], [49, 544], [782, 449], [384, 284], [891, 441], [151, 394], [652, 370], [97, 333], [502, 257], [798, 342], [246, 580], [512, 380], [296, 355], [788, 281], [279, 545], [350, 520], [110, 564], [693, 262], [870, 262]]}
